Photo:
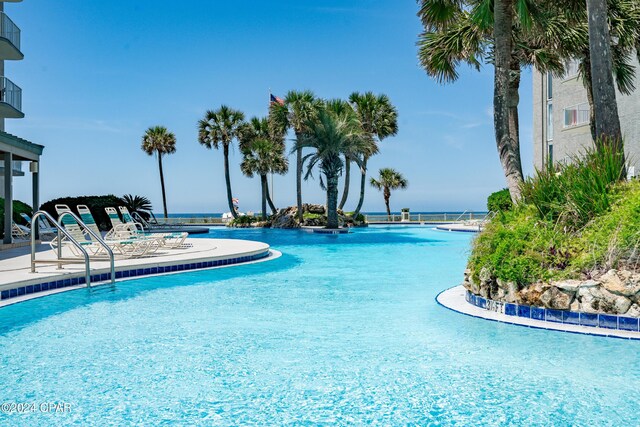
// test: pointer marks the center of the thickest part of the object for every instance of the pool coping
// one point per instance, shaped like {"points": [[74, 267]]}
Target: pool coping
{"points": [[102, 276], [454, 299]]}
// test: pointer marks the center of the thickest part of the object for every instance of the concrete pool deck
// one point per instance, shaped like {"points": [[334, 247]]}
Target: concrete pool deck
{"points": [[17, 283], [454, 299]]}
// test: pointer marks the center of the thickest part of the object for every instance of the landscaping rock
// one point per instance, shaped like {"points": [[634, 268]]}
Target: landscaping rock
{"points": [[532, 293], [556, 298], [314, 209], [619, 283], [568, 285]]}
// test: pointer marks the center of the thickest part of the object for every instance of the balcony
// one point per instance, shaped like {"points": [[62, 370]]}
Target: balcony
{"points": [[10, 99], [9, 39]]}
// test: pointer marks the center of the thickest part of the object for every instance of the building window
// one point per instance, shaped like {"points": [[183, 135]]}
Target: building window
{"points": [[571, 68], [577, 115], [550, 155], [549, 121], [549, 86]]}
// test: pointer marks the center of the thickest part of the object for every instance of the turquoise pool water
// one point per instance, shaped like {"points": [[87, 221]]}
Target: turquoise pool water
{"points": [[341, 330]]}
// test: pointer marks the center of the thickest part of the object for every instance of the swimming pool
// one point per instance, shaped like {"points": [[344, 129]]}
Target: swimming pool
{"points": [[341, 330]]}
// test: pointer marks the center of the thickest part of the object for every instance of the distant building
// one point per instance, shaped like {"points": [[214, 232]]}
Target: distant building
{"points": [[13, 150], [561, 119]]}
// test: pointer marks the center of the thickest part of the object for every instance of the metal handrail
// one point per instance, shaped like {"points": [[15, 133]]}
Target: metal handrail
{"points": [[95, 236], [68, 236], [462, 214]]}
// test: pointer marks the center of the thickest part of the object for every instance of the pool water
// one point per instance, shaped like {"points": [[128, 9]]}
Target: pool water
{"points": [[341, 330]]}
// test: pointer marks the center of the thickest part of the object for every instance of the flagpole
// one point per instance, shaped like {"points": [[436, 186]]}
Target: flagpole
{"points": [[271, 189]]}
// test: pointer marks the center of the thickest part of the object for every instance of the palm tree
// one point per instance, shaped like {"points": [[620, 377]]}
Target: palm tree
{"points": [[137, 204], [263, 153], [342, 108], [331, 136], [607, 122], [221, 127], [389, 179], [158, 140], [298, 109], [378, 120]]}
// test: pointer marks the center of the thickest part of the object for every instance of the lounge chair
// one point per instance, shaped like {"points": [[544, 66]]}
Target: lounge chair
{"points": [[128, 248], [20, 231], [44, 227], [171, 240]]}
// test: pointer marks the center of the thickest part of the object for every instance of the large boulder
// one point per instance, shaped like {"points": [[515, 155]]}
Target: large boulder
{"points": [[531, 294], [597, 299], [285, 218], [507, 291], [557, 298], [620, 283], [314, 209]]}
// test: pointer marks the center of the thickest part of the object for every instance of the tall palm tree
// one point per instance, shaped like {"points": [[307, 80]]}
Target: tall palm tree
{"points": [[263, 153], [330, 136], [368, 148], [378, 120], [299, 109], [389, 179], [158, 140], [221, 127], [607, 122]]}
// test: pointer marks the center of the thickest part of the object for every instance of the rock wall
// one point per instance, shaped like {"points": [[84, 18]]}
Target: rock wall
{"points": [[614, 292]]}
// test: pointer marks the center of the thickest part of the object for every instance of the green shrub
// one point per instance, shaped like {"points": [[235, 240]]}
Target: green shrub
{"points": [[18, 208], [96, 205], [500, 201], [575, 193], [573, 219], [244, 220], [308, 215]]}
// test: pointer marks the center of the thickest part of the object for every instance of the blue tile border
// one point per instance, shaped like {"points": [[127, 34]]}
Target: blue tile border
{"points": [[136, 272], [596, 320]]}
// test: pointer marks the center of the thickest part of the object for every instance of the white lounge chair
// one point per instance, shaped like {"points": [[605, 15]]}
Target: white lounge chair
{"points": [[44, 227], [171, 240], [127, 248]]}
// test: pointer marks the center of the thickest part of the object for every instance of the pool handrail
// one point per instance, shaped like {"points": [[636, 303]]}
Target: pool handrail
{"points": [[62, 231], [97, 239]]}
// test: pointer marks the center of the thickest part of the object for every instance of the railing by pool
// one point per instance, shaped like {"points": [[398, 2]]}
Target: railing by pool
{"points": [[439, 217], [374, 218]]}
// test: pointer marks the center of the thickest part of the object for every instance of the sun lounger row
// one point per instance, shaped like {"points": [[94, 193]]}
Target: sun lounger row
{"points": [[126, 239]]}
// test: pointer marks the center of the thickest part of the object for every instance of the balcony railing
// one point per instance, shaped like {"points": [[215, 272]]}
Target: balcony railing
{"points": [[9, 30], [11, 97]]}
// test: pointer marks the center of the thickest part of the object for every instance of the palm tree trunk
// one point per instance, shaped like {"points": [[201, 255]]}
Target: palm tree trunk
{"points": [[502, 34], [263, 181], [274, 210], [164, 196], [363, 182], [387, 196], [604, 92], [299, 178], [588, 85], [332, 202], [228, 181], [345, 192], [514, 118]]}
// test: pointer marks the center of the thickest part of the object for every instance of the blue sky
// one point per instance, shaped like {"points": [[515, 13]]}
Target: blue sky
{"points": [[97, 74]]}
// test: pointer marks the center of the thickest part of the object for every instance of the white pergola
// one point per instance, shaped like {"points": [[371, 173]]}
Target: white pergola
{"points": [[13, 148]]}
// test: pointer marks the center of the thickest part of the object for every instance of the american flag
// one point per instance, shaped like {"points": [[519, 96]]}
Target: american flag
{"points": [[277, 99]]}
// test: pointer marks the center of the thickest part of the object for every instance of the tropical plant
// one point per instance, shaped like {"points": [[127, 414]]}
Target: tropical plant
{"points": [[263, 153], [368, 148], [221, 127], [298, 109], [159, 141], [331, 136], [378, 119], [389, 179], [500, 201], [137, 204]]}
